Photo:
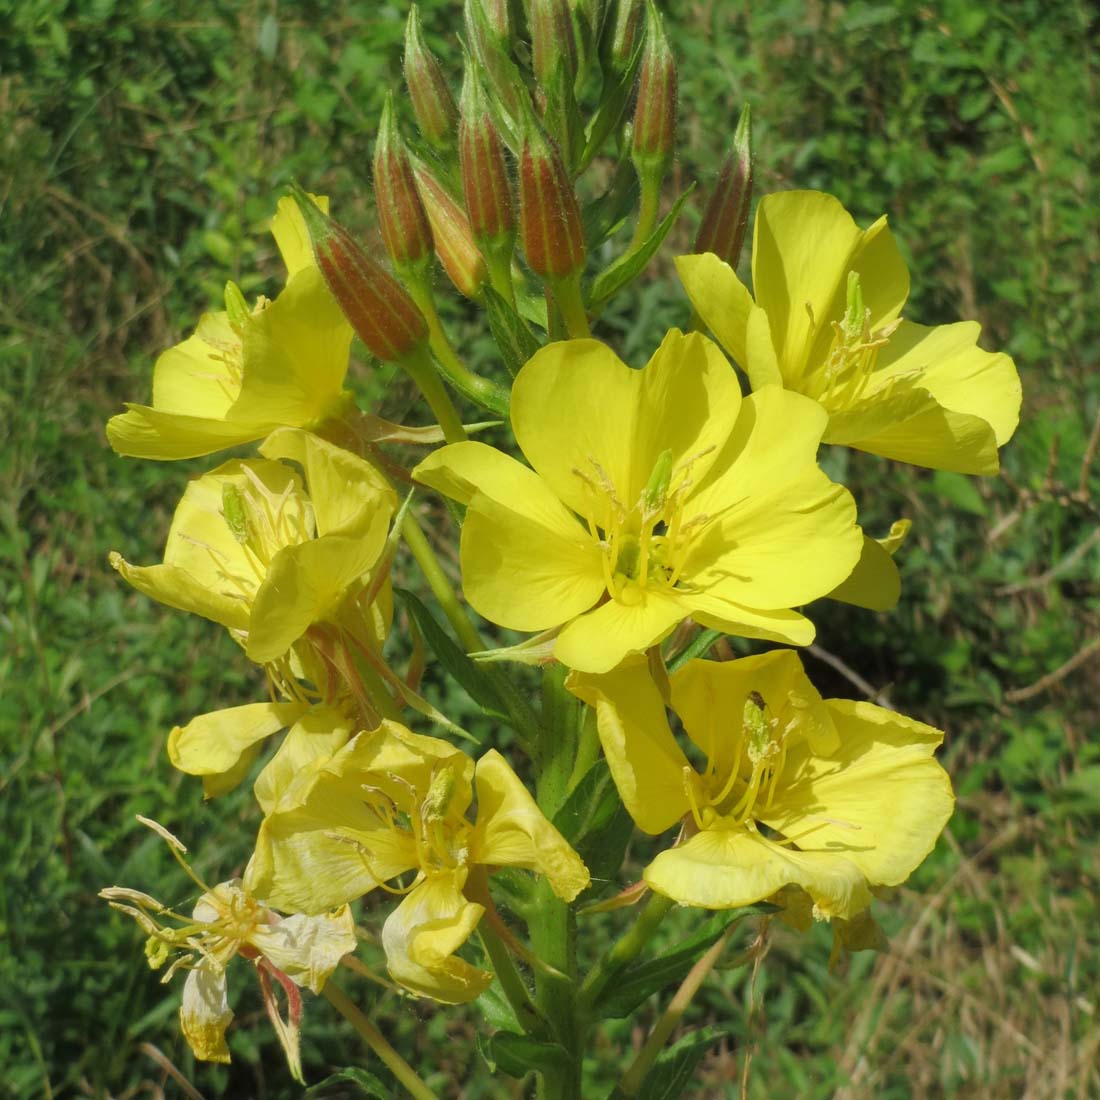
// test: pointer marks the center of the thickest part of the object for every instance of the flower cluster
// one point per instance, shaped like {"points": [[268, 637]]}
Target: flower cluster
{"points": [[643, 513]]}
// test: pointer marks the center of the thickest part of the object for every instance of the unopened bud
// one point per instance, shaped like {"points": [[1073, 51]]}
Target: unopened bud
{"points": [[489, 31], [550, 216], [726, 217], [454, 238], [432, 101], [485, 183], [401, 216], [655, 113], [553, 45], [383, 316], [622, 33]]}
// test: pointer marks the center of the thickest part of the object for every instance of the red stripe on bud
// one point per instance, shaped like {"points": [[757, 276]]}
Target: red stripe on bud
{"points": [[726, 217], [401, 216], [432, 100], [655, 113], [550, 216], [454, 238], [486, 186]]}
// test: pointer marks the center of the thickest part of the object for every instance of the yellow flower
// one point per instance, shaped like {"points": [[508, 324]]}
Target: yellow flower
{"points": [[825, 322], [289, 573], [246, 372], [692, 502], [227, 920], [391, 802], [249, 547], [833, 796]]}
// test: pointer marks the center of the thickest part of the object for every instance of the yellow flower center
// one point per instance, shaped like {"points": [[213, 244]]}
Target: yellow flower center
{"points": [[644, 545], [852, 356], [758, 758]]}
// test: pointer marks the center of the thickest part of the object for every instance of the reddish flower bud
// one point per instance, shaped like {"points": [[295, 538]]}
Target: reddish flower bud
{"points": [[550, 216], [553, 45], [622, 34], [401, 216], [383, 316], [454, 239], [493, 16], [485, 183], [489, 34], [655, 113], [726, 217], [432, 101]]}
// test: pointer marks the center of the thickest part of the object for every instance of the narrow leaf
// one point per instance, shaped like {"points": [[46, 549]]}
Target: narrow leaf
{"points": [[515, 341]]}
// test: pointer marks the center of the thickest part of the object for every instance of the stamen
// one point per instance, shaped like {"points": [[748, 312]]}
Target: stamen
{"points": [[689, 789]]}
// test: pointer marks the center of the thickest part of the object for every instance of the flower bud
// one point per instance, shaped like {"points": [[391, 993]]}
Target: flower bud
{"points": [[550, 216], [489, 16], [553, 45], [655, 113], [383, 316], [726, 217], [485, 183], [401, 216], [454, 239], [622, 34], [432, 101], [489, 31]]}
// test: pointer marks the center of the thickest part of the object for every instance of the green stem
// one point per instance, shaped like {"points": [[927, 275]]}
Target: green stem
{"points": [[553, 933], [420, 368], [649, 206], [567, 293], [588, 748], [634, 1077], [406, 1076], [629, 946], [498, 259], [440, 584], [510, 981], [480, 390]]}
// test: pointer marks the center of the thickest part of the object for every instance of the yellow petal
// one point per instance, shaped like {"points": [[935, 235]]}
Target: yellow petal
{"points": [[880, 800], [346, 491], [307, 949], [179, 589], [214, 744], [720, 299], [778, 549], [194, 377], [295, 354], [524, 575], [780, 625], [144, 432], [315, 737], [607, 635], [804, 245], [710, 697], [580, 413], [511, 830], [288, 227], [645, 761], [874, 583], [728, 867], [205, 1012], [421, 935]]}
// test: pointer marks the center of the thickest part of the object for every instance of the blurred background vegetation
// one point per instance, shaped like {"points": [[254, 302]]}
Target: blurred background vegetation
{"points": [[143, 144]]}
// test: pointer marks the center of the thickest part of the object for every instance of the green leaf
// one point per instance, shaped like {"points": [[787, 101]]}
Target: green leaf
{"points": [[675, 1067], [590, 807], [629, 265], [366, 1084], [478, 684], [641, 981], [611, 110], [601, 216], [515, 341], [960, 491], [518, 1055]]}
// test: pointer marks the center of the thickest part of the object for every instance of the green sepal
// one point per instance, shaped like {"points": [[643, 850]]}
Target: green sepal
{"points": [[630, 265], [515, 341]]}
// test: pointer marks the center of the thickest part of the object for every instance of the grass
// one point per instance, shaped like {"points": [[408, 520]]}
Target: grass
{"points": [[143, 150]]}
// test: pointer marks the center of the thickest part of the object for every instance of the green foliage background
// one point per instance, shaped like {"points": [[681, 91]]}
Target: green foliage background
{"points": [[142, 148]]}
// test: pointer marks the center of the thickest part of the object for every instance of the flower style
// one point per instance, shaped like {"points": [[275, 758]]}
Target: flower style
{"points": [[290, 574], [826, 322], [391, 802], [833, 796], [692, 502], [244, 373], [227, 920]]}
